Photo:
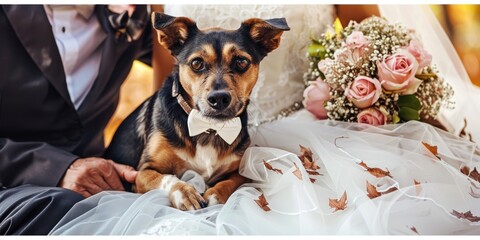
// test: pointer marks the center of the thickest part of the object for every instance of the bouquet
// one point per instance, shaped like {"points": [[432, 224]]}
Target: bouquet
{"points": [[373, 72]]}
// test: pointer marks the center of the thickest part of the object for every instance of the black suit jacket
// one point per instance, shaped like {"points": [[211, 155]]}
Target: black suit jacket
{"points": [[41, 133]]}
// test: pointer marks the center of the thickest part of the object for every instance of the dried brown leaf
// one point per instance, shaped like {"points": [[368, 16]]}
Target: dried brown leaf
{"points": [[418, 186], [475, 175], [312, 172], [432, 149], [297, 172], [310, 165], [307, 164], [390, 190], [372, 191], [305, 153], [313, 180], [314, 166], [466, 215], [379, 173], [464, 134], [414, 229], [338, 204], [364, 165], [465, 170], [474, 194], [262, 202], [269, 167], [306, 156]]}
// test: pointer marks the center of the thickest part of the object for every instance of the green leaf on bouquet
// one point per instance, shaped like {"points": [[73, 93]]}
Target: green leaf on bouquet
{"points": [[410, 101], [396, 119], [315, 41], [407, 114], [316, 50]]}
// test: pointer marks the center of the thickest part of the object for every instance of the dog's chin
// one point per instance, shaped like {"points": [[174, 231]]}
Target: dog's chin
{"points": [[222, 115], [219, 115]]}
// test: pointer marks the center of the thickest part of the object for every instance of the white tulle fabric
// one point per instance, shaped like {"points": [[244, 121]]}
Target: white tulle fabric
{"points": [[280, 81], [300, 206]]}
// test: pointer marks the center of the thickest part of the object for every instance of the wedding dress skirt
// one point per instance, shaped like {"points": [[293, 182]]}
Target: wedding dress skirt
{"points": [[417, 192]]}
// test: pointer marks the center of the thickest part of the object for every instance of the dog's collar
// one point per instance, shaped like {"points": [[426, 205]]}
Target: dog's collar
{"points": [[197, 123], [176, 94]]}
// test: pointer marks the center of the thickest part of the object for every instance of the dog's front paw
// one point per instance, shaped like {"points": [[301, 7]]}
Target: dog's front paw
{"points": [[185, 197], [213, 197]]}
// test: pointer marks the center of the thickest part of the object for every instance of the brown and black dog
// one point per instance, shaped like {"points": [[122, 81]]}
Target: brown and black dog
{"points": [[215, 73]]}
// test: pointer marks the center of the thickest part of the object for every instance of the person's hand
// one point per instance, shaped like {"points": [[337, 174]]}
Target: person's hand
{"points": [[89, 176]]}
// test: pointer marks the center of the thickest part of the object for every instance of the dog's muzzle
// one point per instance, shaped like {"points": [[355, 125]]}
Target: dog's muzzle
{"points": [[219, 100]]}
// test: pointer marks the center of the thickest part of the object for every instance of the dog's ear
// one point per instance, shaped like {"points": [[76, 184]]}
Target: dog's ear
{"points": [[265, 33], [173, 32]]}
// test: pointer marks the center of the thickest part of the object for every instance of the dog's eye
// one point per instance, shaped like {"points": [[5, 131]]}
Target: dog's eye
{"points": [[241, 64], [197, 64]]}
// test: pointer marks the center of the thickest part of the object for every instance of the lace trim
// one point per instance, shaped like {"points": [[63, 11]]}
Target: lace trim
{"points": [[283, 114]]}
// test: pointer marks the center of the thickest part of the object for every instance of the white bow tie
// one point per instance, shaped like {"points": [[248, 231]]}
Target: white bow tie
{"points": [[227, 130]]}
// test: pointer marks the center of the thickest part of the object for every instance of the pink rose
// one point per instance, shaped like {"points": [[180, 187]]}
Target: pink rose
{"points": [[348, 55], [372, 116], [423, 57], [356, 40], [354, 47], [364, 91], [315, 96], [397, 72], [323, 64], [341, 53]]}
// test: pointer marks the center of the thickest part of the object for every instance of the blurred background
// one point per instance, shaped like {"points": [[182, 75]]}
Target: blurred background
{"points": [[460, 22]]}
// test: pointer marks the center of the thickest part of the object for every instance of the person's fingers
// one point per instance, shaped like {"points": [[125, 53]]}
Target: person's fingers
{"points": [[79, 188], [98, 173], [84, 193], [110, 175], [89, 176], [98, 179], [102, 183], [93, 188], [125, 172], [114, 181]]}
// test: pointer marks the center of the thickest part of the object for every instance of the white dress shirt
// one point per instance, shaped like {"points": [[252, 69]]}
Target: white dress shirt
{"points": [[78, 35]]}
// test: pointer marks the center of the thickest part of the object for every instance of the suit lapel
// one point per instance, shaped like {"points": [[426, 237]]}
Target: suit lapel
{"points": [[111, 51], [37, 38]]}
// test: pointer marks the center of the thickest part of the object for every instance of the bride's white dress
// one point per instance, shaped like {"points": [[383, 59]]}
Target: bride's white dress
{"points": [[417, 192]]}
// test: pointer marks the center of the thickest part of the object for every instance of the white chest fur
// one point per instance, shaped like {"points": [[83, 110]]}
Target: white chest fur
{"points": [[206, 162]]}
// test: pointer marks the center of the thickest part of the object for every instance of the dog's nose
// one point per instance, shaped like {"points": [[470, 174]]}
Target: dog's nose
{"points": [[219, 100]]}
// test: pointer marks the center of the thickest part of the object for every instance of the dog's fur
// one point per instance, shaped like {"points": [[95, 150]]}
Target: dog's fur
{"points": [[155, 135]]}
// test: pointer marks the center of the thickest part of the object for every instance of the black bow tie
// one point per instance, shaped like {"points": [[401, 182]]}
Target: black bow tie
{"points": [[127, 28]]}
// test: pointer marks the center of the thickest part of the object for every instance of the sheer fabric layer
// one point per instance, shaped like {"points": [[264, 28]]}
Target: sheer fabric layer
{"points": [[426, 190]]}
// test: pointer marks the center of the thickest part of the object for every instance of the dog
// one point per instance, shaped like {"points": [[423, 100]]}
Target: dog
{"points": [[198, 119]]}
